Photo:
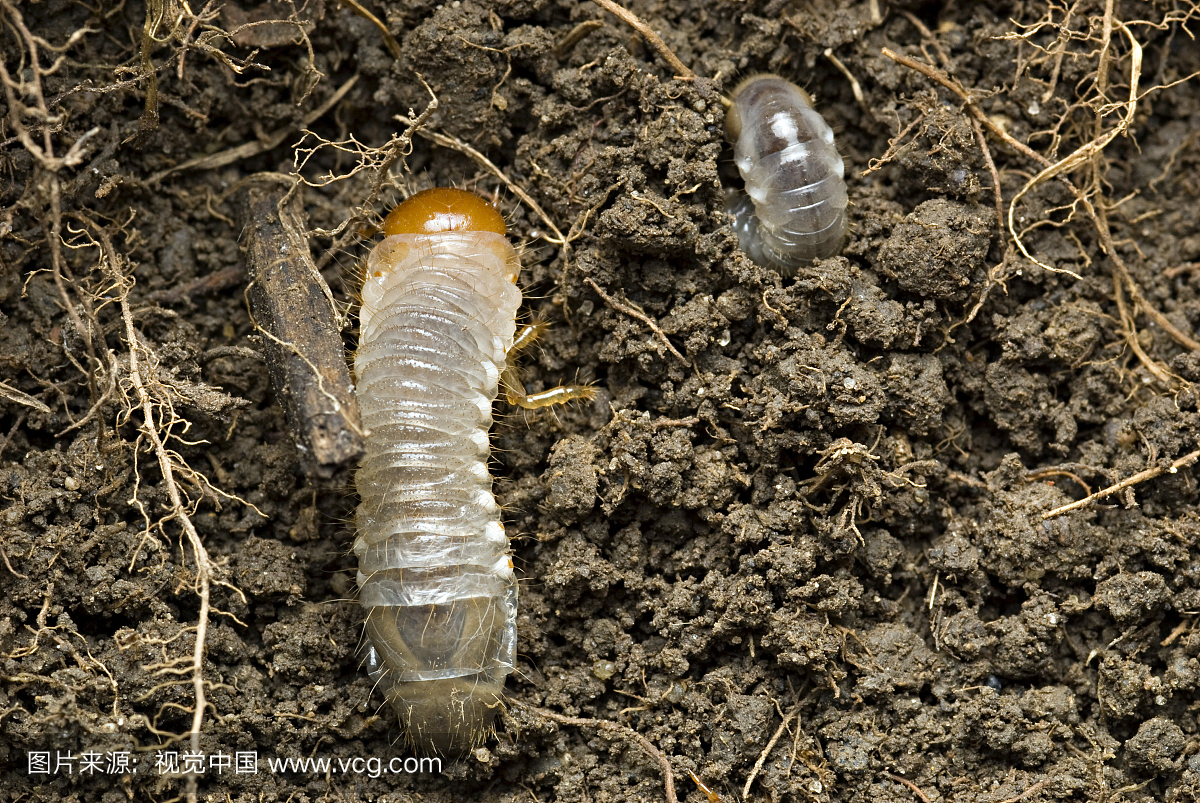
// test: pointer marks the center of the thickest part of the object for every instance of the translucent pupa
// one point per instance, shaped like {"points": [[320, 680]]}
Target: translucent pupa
{"points": [[437, 329], [794, 208]]}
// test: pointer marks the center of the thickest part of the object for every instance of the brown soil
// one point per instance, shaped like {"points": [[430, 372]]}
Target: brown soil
{"points": [[812, 552]]}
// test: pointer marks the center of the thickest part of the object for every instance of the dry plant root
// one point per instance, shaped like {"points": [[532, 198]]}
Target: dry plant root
{"points": [[388, 40], [141, 390], [1128, 482], [127, 387], [634, 312], [613, 727], [762, 758], [916, 790], [1086, 164], [635, 22]]}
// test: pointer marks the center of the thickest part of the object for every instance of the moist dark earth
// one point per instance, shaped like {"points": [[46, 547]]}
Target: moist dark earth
{"points": [[799, 542]]}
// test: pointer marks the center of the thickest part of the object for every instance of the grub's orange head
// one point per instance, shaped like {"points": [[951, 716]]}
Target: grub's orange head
{"points": [[443, 209]]}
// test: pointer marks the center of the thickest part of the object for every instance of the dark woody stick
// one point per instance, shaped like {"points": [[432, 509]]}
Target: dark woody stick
{"points": [[292, 308]]}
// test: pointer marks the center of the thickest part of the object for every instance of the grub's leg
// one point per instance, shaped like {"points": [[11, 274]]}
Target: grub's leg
{"points": [[510, 380]]}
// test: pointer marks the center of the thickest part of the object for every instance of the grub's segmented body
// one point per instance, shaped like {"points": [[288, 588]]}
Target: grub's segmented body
{"points": [[794, 210], [435, 576]]}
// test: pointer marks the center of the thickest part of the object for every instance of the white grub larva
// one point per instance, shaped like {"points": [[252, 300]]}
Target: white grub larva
{"points": [[437, 329], [794, 209]]}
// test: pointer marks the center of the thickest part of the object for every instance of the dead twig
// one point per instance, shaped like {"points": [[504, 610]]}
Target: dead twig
{"points": [[575, 37], [1054, 471], [712, 796], [293, 307], [4, 554], [7, 391], [1129, 332], [954, 86], [854, 87]]}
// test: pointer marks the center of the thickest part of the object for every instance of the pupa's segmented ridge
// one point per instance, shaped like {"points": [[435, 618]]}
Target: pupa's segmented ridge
{"points": [[794, 209]]}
